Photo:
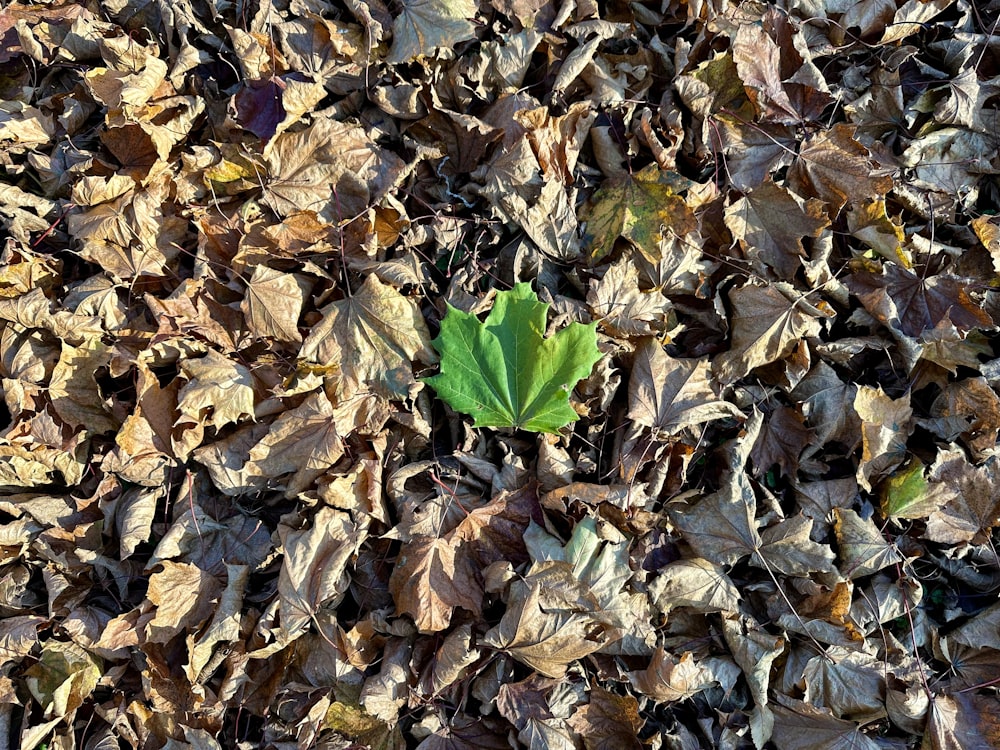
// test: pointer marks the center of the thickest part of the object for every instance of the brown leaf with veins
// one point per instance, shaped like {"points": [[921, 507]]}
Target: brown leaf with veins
{"points": [[669, 394], [547, 636], [622, 308], [313, 571], [863, 551], [836, 168], [782, 438], [183, 596], [433, 576], [969, 499], [608, 721], [495, 531], [917, 302], [303, 442], [787, 548], [800, 726], [768, 322], [669, 679], [332, 168], [721, 527], [273, 304], [218, 391], [374, 337], [74, 391], [772, 222], [886, 424]]}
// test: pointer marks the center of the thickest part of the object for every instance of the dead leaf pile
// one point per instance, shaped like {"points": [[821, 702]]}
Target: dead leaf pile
{"points": [[232, 513]]}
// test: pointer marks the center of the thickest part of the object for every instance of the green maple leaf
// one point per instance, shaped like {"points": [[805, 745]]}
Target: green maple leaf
{"points": [[503, 371]]}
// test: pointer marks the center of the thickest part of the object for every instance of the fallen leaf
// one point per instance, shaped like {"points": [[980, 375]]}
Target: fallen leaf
{"points": [[504, 373], [373, 337]]}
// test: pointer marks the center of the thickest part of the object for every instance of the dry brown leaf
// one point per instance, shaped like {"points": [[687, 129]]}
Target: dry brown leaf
{"points": [[768, 322], [668, 394], [373, 337], [431, 578]]}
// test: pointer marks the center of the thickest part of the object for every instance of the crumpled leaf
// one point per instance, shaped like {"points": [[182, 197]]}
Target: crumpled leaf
{"points": [[768, 322], [669, 394], [423, 26], [431, 578], [772, 223], [274, 302], [313, 569], [63, 677], [966, 497], [670, 679], [218, 391], [545, 638], [695, 583], [331, 168], [303, 442], [803, 727], [886, 424], [863, 551], [608, 721], [504, 372], [623, 308], [638, 208], [373, 338], [835, 168]]}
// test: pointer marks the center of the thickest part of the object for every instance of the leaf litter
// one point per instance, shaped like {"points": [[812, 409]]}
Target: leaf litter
{"points": [[737, 489]]}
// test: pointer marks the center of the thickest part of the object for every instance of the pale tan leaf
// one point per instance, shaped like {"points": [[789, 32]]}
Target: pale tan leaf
{"points": [[374, 337], [63, 677], [787, 548], [183, 596], [863, 551], [721, 527], [669, 679], [273, 304], [546, 640], [968, 499], [622, 308], [426, 25], [850, 683], [695, 583], [303, 442], [755, 651], [313, 571], [218, 391], [768, 323], [73, 389], [669, 394], [886, 424]]}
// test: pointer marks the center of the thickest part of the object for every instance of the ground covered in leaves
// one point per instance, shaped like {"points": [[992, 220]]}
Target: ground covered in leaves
{"points": [[234, 514]]}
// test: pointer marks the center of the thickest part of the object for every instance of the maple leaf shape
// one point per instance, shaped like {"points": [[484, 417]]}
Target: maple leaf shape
{"points": [[768, 322], [431, 578], [313, 571], [545, 636], [218, 391], [834, 167], [772, 222], [637, 207], [669, 394], [968, 499], [425, 25], [504, 372], [273, 304], [373, 337]]}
